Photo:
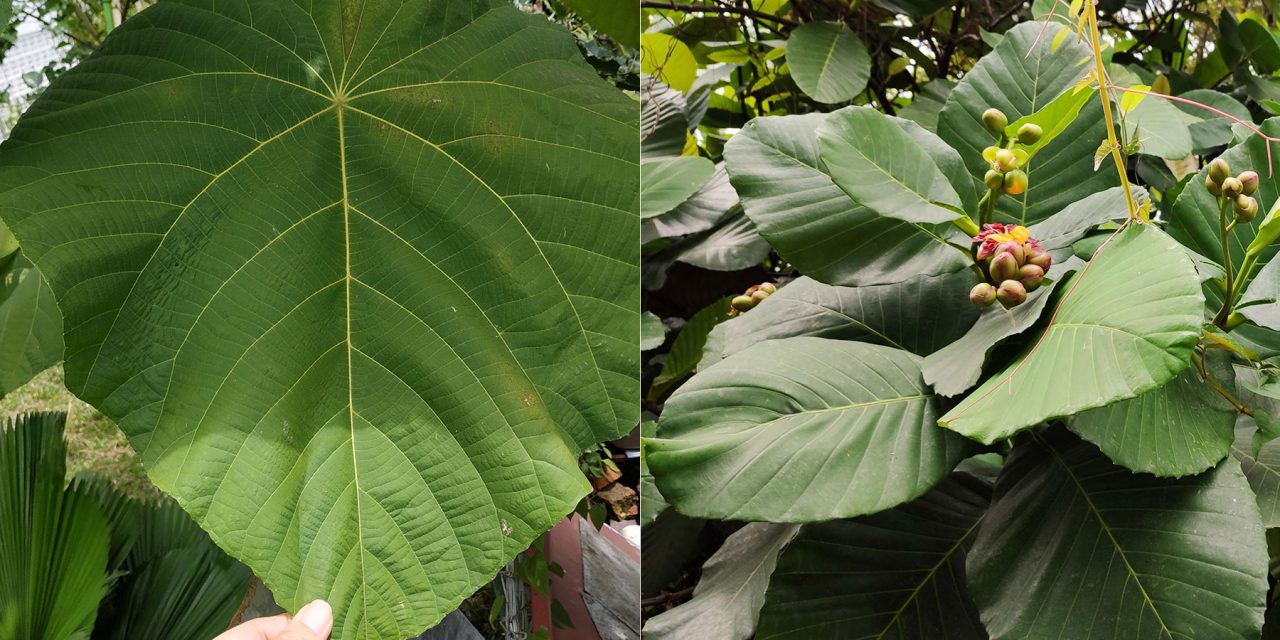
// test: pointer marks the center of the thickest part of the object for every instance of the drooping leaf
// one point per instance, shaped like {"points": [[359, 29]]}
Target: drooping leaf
{"points": [[1019, 85], [801, 430], [663, 123], [359, 314], [728, 598], [734, 244], [898, 574], [773, 164], [1178, 429], [53, 541], [30, 323], [1262, 469], [876, 162], [919, 315], [828, 61], [1074, 546], [686, 351], [1194, 219], [955, 368], [669, 181], [708, 207], [1126, 325]]}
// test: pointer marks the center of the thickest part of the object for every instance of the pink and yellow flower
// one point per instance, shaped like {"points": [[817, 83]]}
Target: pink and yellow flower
{"points": [[995, 234]]}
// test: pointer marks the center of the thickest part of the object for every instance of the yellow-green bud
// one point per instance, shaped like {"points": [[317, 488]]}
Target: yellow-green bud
{"points": [[759, 296], [768, 287], [995, 120], [742, 303], [1006, 160], [993, 179], [1219, 170], [1246, 208], [1212, 185], [1029, 133], [1232, 187]]}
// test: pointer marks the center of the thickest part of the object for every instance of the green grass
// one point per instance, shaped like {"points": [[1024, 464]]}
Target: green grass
{"points": [[94, 444]]}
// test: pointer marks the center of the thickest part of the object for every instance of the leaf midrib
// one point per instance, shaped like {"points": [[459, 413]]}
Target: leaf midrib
{"points": [[1097, 513]]}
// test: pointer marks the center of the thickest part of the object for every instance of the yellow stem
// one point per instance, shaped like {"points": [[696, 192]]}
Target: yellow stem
{"points": [[1116, 153]]}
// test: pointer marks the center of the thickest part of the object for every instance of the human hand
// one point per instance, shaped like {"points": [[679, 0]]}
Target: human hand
{"points": [[313, 622]]}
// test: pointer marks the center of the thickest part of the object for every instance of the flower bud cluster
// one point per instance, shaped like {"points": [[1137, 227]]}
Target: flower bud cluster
{"points": [[1013, 263], [1237, 190], [752, 297], [1007, 174]]}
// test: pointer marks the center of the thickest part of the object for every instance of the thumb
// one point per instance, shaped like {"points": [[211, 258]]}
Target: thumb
{"points": [[313, 622]]}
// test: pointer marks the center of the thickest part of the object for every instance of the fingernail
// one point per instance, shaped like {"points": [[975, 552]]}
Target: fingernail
{"points": [[317, 615]]}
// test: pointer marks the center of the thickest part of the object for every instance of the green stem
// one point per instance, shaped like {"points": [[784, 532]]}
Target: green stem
{"points": [[1221, 318], [967, 225]]}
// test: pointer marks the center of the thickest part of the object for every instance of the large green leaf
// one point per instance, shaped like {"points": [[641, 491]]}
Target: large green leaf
{"points": [[1262, 469], [829, 63], [732, 589], [1261, 299], [897, 575], [1125, 325], [801, 430], [30, 324], [1020, 80], [1194, 220], [1076, 547], [773, 164], [919, 315], [358, 285], [1181, 428], [876, 162], [53, 542]]}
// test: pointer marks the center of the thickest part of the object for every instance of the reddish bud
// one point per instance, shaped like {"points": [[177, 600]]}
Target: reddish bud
{"points": [[1246, 208], [1030, 276], [1039, 257], [1213, 187], [982, 294], [1011, 293], [1249, 180], [1003, 267]]}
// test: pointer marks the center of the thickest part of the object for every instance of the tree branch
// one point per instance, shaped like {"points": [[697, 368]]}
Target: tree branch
{"points": [[717, 8]]}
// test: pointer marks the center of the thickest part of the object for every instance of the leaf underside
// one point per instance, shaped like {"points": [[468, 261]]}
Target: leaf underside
{"points": [[359, 311]]}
